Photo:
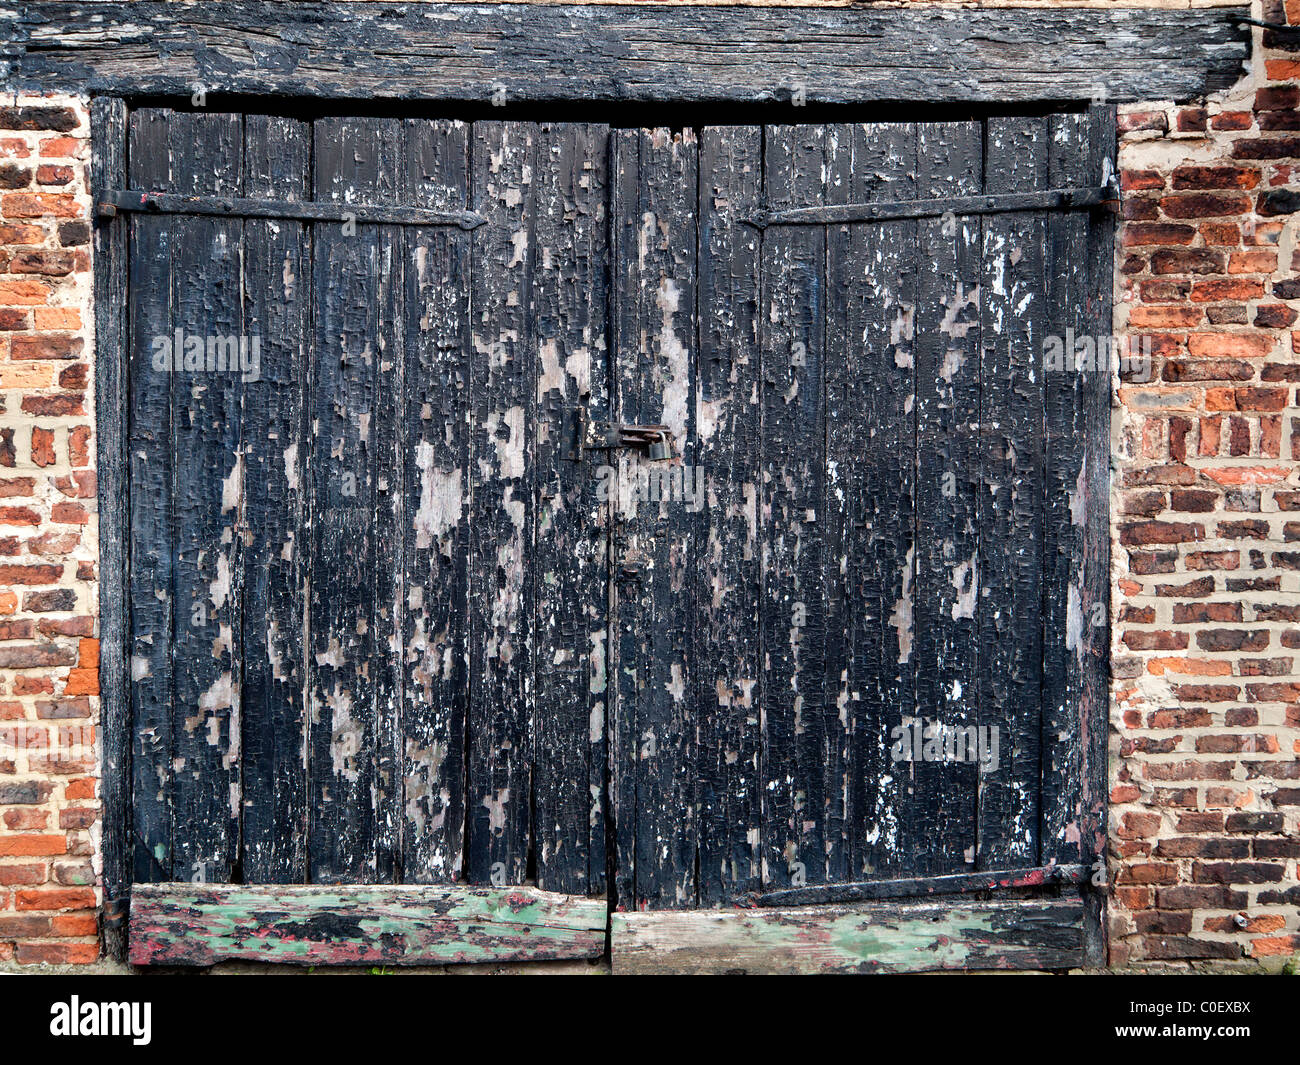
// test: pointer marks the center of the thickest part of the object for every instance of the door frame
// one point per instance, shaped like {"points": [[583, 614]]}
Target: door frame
{"points": [[1182, 53]]}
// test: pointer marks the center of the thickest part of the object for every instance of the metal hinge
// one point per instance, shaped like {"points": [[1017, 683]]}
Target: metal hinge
{"points": [[114, 913], [1064, 199], [924, 887], [135, 200]]}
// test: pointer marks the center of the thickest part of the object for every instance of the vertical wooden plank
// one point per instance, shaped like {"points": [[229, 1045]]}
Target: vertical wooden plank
{"points": [[629, 606], [206, 151], [570, 551], [355, 160], [793, 626], [1014, 321], [871, 388], [275, 555], [499, 791], [1092, 656], [843, 183], [726, 584], [655, 371], [435, 529], [940, 828], [1064, 507], [150, 515], [388, 429], [108, 130]]}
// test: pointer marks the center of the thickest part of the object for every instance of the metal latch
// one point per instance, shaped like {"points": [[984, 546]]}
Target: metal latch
{"points": [[590, 435]]}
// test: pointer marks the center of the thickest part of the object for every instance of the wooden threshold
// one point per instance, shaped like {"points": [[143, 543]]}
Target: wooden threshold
{"points": [[202, 924], [876, 938]]}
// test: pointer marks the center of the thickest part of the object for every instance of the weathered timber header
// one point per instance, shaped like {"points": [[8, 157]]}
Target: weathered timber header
{"points": [[641, 53]]}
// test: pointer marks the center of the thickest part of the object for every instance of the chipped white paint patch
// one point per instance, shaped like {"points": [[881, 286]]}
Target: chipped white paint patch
{"points": [[578, 366], [676, 685], [496, 804], [965, 580], [510, 451], [901, 618], [219, 588], [552, 377], [962, 299], [232, 488], [441, 498], [596, 684], [676, 384], [291, 475], [345, 735]]}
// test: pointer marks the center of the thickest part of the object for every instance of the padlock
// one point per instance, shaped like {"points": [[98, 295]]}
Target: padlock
{"points": [[661, 449]]}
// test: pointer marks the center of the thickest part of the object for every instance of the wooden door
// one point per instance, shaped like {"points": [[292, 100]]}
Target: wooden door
{"points": [[368, 586], [903, 525], [393, 621]]}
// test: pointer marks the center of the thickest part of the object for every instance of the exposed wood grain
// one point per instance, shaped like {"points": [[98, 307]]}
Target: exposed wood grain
{"points": [[940, 828], [873, 445], [793, 509], [184, 924], [1013, 324], [1092, 658], [434, 533], [348, 474], [726, 584], [151, 528], [275, 556], [501, 709], [570, 550], [849, 939], [108, 127], [657, 54], [654, 362]]}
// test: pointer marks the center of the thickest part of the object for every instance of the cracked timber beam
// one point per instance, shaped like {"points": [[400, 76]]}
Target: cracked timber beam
{"points": [[850, 939], [202, 924], [623, 53]]}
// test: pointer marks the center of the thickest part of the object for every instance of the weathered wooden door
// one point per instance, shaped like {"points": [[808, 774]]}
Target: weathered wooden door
{"points": [[368, 584], [416, 595], [895, 540]]}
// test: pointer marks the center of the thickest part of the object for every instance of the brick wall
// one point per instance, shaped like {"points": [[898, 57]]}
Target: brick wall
{"points": [[48, 538], [1206, 513], [1206, 518]]}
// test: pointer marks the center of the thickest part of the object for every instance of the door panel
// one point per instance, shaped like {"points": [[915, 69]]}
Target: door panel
{"points": [[390, 622], [343, 669], [726, 584], [654, 259]]}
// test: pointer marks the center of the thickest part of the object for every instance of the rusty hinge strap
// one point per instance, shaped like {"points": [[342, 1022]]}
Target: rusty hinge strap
{"points": [[239, 207], [115, 911], [886, 210], [921, 887]]}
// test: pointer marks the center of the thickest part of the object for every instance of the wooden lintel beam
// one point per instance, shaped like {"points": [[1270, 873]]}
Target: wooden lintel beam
{"points": [[645, 53]]}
